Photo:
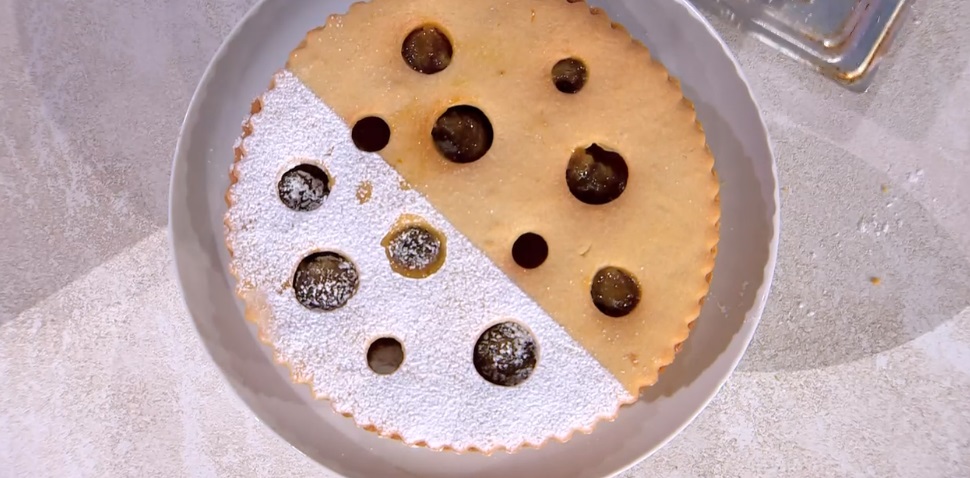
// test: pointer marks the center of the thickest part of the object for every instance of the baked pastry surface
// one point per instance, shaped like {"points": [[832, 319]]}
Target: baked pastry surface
{"points": [[624, 273]]}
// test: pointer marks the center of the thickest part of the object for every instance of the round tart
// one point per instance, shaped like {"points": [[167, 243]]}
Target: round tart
{"points": [[473, 225]]}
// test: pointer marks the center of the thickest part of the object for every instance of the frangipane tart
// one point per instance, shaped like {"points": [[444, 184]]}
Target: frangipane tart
{"points": [[473, 225]]}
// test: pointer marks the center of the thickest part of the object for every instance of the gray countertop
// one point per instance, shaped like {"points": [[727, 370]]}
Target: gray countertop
{"points": [[101, 373]]}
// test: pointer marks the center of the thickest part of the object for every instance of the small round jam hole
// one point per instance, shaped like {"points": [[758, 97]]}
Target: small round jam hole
{"points": [[325, 281], [615, 291], [304, 187], [385, 355], [596, 176], [463, 134], [530, 250], [570, 75], [427, 49], [506, 354], [415, 250], [371, 134]]}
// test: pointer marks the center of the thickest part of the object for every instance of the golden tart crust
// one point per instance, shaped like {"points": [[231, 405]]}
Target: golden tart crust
{"points": [[663, 228]]}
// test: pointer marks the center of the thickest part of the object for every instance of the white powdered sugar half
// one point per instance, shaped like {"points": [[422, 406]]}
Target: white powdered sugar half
{"points": [[436, 396]]}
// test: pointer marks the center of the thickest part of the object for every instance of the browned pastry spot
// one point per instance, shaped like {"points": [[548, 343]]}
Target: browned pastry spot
{"points": [[364, 192]]}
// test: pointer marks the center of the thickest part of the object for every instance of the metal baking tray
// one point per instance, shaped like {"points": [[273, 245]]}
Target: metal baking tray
{"points": [[843, 39]]}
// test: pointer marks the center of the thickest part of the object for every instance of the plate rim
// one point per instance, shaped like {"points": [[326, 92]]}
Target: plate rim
{"points": [[761, 296], [746, 331]]}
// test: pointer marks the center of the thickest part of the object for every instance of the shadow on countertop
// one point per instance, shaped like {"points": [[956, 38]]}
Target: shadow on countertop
{"points": [[93, 99], [858, 275]]}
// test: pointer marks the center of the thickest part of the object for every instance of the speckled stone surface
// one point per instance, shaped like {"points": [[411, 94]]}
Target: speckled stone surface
{"points": [[102, 375]]}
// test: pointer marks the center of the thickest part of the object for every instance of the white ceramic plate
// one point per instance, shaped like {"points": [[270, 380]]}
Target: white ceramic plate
{"points": [[686, 44]]}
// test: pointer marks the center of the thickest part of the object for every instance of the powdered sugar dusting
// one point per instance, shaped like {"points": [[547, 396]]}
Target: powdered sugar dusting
{"points": [[436, 396]]}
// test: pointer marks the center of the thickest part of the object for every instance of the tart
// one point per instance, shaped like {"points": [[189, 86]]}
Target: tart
{"points": [[473, 225]]}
